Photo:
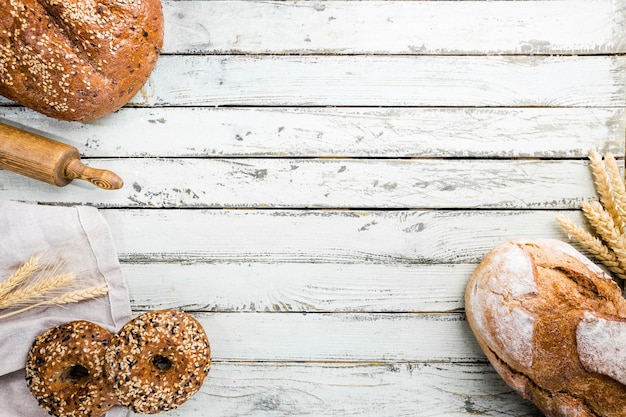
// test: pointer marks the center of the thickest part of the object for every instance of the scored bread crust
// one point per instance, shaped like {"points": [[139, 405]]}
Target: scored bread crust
{"points": [[553, 326], [77, 59]]}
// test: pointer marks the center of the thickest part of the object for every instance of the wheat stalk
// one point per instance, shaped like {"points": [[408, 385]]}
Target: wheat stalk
{"points": [[604, 188], [594, 245], [33, 286], [36, 290], [80, 295], [603, 223], [19, 276], [67, 298], [619, 189], [607, 217]]}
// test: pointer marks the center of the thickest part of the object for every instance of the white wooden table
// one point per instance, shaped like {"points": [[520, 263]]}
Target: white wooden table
{"points": [[316, 181]]}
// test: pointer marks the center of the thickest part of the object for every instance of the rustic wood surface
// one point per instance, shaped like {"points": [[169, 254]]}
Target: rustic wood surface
{"points": [[316, 180]]}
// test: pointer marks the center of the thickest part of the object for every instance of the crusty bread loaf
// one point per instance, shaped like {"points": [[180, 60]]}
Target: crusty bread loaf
{"points": [[77, 59], [553, 325]]}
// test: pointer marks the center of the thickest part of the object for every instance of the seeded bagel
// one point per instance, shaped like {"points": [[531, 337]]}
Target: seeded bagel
{"points": [[65, 370], [77, 59], [158, 360]]}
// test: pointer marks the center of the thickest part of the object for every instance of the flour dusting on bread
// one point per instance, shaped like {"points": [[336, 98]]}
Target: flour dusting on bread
{"points": [[557, 246], [509, 275], [513, 329], [601, 346]]}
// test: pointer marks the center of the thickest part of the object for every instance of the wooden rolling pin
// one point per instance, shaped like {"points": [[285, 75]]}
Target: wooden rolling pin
{"points": [[48, 160]]}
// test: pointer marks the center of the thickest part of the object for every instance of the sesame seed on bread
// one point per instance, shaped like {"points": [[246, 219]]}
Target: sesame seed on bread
{"points": [[77, 59]]}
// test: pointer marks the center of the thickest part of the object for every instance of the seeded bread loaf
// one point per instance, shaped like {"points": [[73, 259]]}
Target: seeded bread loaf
{"points": [[77, 59], [553, 325]]}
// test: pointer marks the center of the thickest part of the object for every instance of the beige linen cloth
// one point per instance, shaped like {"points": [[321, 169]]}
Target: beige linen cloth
{"points": [[81, 237]]}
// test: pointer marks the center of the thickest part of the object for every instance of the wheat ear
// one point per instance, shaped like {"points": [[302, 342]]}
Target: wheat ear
{"points": [[67, 298], [594, 245], [604, 189], [603, 223], [36, 290], [19, 276], [80, 295], [619, 189]]}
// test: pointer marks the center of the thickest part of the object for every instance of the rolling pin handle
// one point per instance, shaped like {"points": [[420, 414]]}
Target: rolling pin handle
{"points": [[102, 178]]}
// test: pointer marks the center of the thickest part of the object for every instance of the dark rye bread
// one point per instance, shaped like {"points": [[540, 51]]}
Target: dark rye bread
{"points": [[553, 325], [77, 59]]}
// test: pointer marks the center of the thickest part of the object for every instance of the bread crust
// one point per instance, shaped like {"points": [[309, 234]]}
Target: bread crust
{"points": [[77, 59], [538, 309]]}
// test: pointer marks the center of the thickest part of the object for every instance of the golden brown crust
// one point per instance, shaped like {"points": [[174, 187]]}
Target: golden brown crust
{"points": [[158, 360], [65, 370], [555, 290], [77, 59]]}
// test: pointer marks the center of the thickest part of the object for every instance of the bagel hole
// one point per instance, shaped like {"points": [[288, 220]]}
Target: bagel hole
{"points": [[161, 362], [75, 373]]}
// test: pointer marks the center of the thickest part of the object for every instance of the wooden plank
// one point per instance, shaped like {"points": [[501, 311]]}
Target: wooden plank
{"points": [[570, 81], [301, 287], [360, 390], [371, 337], [398, 27], [337, 132], [322, 237], [325, 183]]}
